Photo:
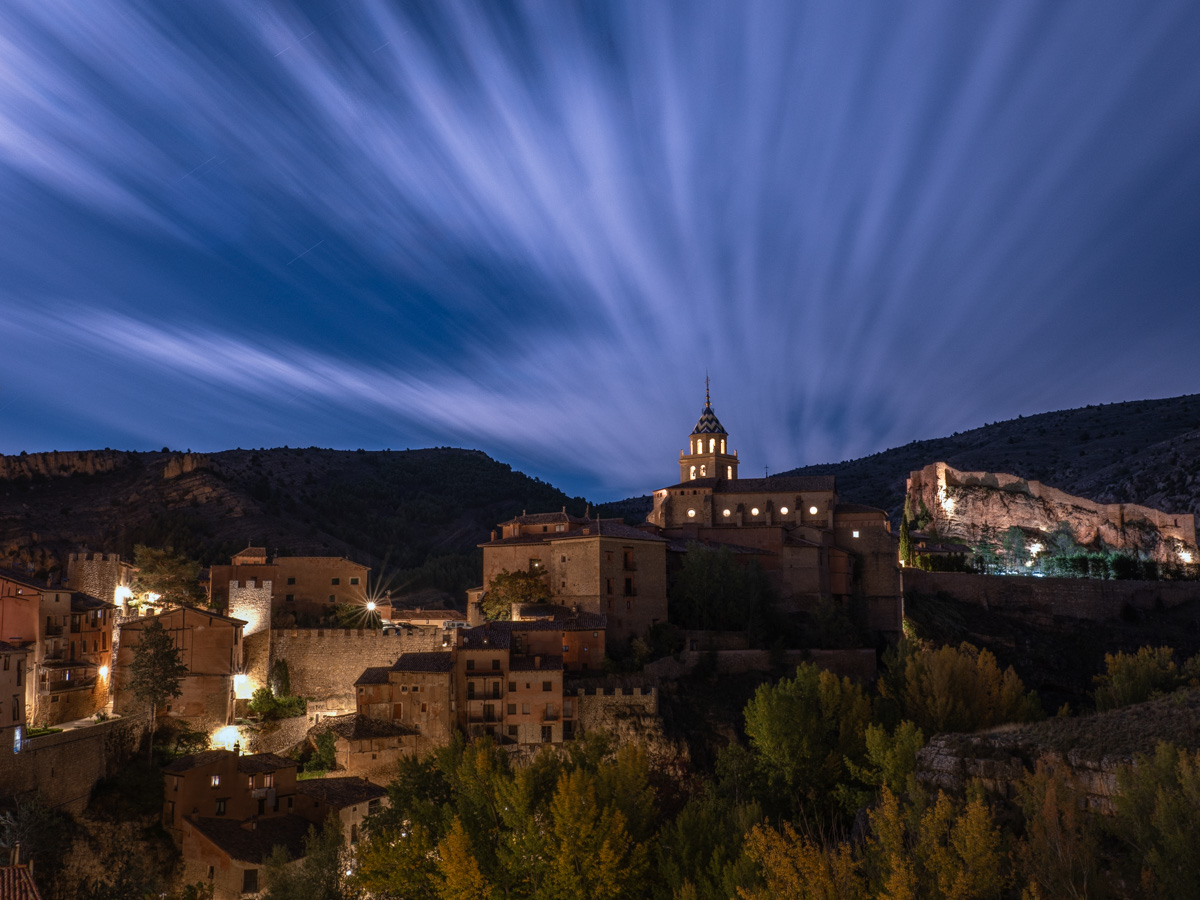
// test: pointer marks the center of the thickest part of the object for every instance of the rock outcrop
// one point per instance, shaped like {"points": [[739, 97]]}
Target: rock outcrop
{"points": [[1089, 749], [59, 465], [965, 505], [183, 464]]}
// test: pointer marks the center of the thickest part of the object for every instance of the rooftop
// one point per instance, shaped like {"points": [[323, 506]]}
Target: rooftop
{"points": [[81, 602], [535, 664], [263, 762], [340, 792], [576, 621], [549, 518], [254, 841], [373, 675], [195, 761], [781, 484], [852, 508], [134, 623], [424, 662], [354, 727], [16, 883], [588, 528], [492, 636]]}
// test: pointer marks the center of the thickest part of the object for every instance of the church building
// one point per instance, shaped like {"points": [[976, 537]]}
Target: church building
{"points": [[813, 546]]}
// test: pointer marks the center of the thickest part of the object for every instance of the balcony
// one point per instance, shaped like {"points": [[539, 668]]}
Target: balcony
{"points": [[75, 684], [52, 631], [550, 717]]}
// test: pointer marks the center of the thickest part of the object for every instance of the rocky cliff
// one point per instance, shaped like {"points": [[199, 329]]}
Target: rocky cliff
{"points": [[1090, 749], [966, 505]]}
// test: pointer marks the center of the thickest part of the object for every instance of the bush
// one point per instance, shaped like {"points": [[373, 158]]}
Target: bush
{"points": [[1135, 678], [269, 707]]}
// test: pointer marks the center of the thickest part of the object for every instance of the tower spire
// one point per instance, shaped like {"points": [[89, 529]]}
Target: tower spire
{"points": [[707, 401]]}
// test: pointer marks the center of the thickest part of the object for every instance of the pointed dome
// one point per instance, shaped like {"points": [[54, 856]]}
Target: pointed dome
{"points": [[709, 423]]}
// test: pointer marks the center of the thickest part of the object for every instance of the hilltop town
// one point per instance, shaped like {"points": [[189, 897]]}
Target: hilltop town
{"points": [[297, 687]]}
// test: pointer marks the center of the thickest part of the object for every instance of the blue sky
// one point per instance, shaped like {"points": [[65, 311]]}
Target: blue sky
{"points": [[532, 228]]}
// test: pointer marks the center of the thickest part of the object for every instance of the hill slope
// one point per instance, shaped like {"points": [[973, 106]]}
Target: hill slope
{"points": [[405, 509], [1145, 451]]}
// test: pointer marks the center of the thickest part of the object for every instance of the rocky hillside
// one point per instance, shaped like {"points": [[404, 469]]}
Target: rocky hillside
{"points": [[420, 511], [1145, 452]]}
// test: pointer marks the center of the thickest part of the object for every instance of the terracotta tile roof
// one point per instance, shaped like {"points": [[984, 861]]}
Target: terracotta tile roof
{"points": [[549, 518], [81, 602], [580, 621], [373, 675], [9, 647], [263, 762], [424, 662], [254, 845], [354, 727], [195, 761], [492, 636], [529, 664], [783, 484], [16, 883], [857, 508], [340, 792]]}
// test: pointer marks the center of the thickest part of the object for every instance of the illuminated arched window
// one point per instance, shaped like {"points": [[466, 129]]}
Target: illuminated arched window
{"points": [[722, 445], [703, 473], [729, 472], [693, 472], [712, 445]]}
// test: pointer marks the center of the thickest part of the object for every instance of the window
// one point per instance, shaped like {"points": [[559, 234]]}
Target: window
{"points": [[608, 556], [855, 533], [16, 704], [712, 445], [332, 598], [470, 665], [250, 881], [250, 782], [291, 580], [524, 709], [104, 640], [415, 688], [512, 709], [546, 685], [608, 584], [373, 807], [220, 807], [404, 689], [353, 834], [424, 707], [629, 591], [335, 581], [703, 471], [693, 473], [560, 527], [269, 780], [354, 580], [564, 559], [214, 781], [6, 661], [290, 597], [547, 734], [729, 472], [512, 686], [495, 665], [211, 873]]}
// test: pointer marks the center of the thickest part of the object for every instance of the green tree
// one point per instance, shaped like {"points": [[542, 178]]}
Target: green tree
{"points": [[174, 577], [1058, 854], [157, 672], [1013, 544], [1158, 803], [906, 544], [713, 591], [1135, 677], [508, 588], [804, 729], [322, 873]]}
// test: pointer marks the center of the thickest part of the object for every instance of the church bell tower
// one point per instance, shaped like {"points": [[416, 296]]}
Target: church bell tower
{"points": [[708, 455]]}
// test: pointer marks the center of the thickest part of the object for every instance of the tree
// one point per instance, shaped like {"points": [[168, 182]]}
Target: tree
{"points": [[157, 672], [1058, 854], [804, 729], [1013, 543], [320, 875], [172, 576], [796, 867], [1133, 678], [906, 544], [713, 591], [508, 588]]}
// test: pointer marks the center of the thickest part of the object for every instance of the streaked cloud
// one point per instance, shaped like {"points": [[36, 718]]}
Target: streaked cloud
{"points": [[533, 229]]}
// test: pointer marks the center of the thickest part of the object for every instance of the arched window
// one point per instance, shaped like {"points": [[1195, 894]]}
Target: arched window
{"points": [[712, 445], [722, 445], [729, 472], [703, 474], [693, 473]]}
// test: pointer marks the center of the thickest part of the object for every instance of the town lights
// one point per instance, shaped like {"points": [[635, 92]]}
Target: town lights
{"points": [[104, 671], [370, 606], [225, 738], [1185, 556]]}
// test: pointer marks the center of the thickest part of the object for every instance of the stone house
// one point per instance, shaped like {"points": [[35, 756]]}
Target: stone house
{"points": [[300, 585], [603, 567], [227, 812], [14, 660], [70, 635], [211, 646]]}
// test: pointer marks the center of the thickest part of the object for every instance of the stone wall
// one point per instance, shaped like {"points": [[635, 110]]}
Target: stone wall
{"points": [[63, 768], [252, 604], [98, 574], [1092, 599], [324, 663], [963, 503]]}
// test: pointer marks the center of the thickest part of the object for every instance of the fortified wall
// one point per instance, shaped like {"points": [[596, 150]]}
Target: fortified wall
{"points": [[1093, 599], [63, 768], [98, 574], [964, 503], [324, 663]]}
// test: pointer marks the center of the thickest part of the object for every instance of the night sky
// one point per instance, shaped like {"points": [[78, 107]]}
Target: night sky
{"points": [[532, 229]]}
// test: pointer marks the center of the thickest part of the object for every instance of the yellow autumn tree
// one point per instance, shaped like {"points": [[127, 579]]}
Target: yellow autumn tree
{"points": [[461, 876], [1058, 853], [794, 867]]}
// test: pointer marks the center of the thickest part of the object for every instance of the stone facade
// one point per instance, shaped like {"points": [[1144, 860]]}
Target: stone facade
{"points": [[102, 575], [963, 504], [301, 585]]}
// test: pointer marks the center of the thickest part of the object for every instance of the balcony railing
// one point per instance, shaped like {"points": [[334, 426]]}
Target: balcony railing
{"points": [[550, 717]]}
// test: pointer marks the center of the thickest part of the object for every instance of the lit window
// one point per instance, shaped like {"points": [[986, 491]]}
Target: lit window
{"points": [[855, 533], [754, 511], [729, 472], [725, 513], [269, 780], [691, 514], [703, 472], [214, 781], [693, 473], [812, 510], [712, 445], [783, 510]]}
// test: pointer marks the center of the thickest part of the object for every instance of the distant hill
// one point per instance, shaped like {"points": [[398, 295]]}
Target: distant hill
{"points": [[1145, 451], [416, 514]]}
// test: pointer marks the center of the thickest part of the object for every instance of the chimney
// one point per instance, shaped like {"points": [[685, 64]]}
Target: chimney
{"points": [[537, 662]]}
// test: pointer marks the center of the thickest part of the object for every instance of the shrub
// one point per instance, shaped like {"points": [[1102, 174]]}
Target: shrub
{"points": [[1135, 678]]}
